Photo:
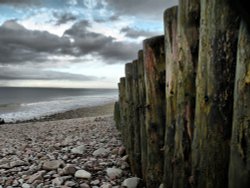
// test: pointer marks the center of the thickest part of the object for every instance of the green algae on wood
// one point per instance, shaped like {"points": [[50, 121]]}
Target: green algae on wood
{"points": [[154, 59]]}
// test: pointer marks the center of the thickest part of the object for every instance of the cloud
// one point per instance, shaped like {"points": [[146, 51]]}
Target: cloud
{"points": [[136, 33], [19, 73], [18, 44], [98, 44], [63, 18], [146, 8], [21, 2]]}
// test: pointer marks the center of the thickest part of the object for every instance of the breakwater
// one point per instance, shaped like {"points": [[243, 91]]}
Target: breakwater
{"points": [[184, 104]]}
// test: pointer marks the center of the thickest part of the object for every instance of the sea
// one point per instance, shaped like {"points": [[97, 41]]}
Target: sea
{"points": [[20, 104]]}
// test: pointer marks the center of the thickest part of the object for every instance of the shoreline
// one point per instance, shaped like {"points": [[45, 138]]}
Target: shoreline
{"points": [[91, 111]]}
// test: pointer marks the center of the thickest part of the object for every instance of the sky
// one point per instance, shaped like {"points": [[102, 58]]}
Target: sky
{"points": [[74, 43]]}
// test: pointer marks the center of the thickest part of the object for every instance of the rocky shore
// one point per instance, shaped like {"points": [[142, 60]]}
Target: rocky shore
{"points": [[81, 152]]}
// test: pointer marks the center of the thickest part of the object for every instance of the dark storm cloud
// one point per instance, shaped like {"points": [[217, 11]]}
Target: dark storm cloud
{"points": [[101, 45], [136, 33], [17, 73], [20, 2], [19, 45], [63, 18], [146, 8]]}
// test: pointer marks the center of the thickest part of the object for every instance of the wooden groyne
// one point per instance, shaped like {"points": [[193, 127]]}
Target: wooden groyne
{"points": [[184, 104]]}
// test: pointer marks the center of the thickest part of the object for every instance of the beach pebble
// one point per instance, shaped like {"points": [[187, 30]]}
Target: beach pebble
{"points": [[82, 174], [131, 182], [114, 173], [106, 185], [36, 176], [95, 182], [70, 184], [52, 165], [25, 185], [57, 181], [84, 185], [69, 169], [100, 151], [78, 150], [17, 163]]}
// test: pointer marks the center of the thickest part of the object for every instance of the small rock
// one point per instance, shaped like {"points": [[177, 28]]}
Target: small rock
{"points": [[70, 183], [78, 150], [58, 181], [25, 185], [84, 185], [36, 176], [82, 174], [100, 151], [106, 185], [114, 173], [52, 165], [69, 169], [95, 182], [131, 182], [17, 163], [122, 151]]}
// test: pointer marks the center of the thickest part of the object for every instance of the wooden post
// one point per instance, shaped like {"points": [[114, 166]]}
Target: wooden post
{"points": [[142, 103], [239, 172], [122, 105], [129, 131], [170, 25], [187, 59], [117, 115], [215, 84], [136, 124], [154, 59]]}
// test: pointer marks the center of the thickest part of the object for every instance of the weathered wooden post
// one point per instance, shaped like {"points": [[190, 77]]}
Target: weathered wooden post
{"points": [[170, 25], [122, 105], [215, 83], [117, 115], [187, 59], [129, 130], [136, 124], [154, 59], [239, 172], [142, 103]]}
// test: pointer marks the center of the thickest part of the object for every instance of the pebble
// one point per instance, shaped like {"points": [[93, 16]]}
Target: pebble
{"points": [[52, 165], [131, 182], [100, 151], [25, 185], [78, 150], [114, 173], [82, 174]]}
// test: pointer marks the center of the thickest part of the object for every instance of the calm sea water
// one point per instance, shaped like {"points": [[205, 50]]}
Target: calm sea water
{"points": [[28, 103]]}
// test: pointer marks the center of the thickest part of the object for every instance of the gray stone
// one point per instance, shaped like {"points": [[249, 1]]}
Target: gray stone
{"points": [[95, 182], [84, 185], [17, 163], [36, 176], [100, 151], [131, 182], [69, 169], [52, 165], [25, 185], [70, 183], [114, 173], [82, 174], [78, 150], [57, 181]]}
